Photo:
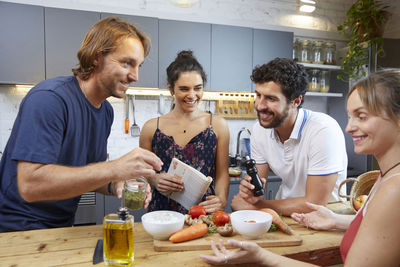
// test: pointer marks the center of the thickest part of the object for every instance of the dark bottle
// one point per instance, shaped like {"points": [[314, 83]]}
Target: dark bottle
{"points": [[255, 179]]}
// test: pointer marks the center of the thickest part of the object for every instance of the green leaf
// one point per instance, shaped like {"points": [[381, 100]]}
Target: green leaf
{"points": [[358, 26]]}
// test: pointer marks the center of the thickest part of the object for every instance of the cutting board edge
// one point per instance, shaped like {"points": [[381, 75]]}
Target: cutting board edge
{"points": [[207, 246]]}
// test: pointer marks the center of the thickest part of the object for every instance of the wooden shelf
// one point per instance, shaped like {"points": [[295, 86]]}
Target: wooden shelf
{"points": [[320, 66], [324, 94], [215, 95]]}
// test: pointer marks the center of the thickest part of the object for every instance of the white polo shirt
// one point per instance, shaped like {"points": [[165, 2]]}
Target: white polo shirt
{"points": [[316, 147]]}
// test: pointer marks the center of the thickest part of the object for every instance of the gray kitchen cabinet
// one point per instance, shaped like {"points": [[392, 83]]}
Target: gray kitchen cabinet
{"points": [[21, 43], [175, 36], [148, 73], [391, 58], [273, 184], [112, 203], [233, 190], [65, 30], [268, 45], [231, 58]]}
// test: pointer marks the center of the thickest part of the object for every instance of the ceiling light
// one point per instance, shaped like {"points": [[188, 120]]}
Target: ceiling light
{"points": [[307, 8], [184, 3], [308, 2]]}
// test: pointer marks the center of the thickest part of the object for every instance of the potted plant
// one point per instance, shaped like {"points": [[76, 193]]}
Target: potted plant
{"points": [[364, 25]]}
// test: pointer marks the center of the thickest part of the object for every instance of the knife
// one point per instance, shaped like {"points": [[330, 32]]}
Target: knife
{"points": [[127, 115], [98, 252]]}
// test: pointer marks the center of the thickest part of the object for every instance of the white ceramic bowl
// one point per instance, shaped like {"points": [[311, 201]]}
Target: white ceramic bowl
{"points": [[251, 224], [162, 224]]}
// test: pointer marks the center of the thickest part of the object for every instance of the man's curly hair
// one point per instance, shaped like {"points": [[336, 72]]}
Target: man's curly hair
{"points": [[291, 76]]}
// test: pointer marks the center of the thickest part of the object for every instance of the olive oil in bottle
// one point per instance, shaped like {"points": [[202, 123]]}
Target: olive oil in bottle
{"points": [[118, 249]]}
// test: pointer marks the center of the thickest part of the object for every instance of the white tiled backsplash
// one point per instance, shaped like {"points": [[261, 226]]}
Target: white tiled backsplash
{"points": [[120, 143]]}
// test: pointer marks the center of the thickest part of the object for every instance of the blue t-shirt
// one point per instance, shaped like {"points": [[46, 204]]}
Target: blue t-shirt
{"points": [[55, 124]]}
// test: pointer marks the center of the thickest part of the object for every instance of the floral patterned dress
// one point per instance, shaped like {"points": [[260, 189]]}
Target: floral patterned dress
{"points": [[199, 153]]}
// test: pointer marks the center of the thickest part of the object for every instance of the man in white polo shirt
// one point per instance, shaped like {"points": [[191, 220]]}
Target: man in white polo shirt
{"points": [[306, 149]]}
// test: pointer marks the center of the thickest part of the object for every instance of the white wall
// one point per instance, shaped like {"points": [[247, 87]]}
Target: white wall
{"points": [[120, 143]]}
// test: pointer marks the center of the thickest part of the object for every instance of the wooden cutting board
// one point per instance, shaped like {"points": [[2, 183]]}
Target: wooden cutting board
{"points": [[273, 239]]}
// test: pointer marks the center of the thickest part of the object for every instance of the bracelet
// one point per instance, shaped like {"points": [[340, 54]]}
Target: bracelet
{"points": [[109, 189]]}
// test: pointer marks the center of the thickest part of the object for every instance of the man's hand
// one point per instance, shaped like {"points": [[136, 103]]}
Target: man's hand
{"points": [[138, 162], [117, 188], [246, 190], [238, 203]]}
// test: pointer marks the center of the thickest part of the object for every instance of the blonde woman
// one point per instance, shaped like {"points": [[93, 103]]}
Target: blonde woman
{"points": [[372, 236]]}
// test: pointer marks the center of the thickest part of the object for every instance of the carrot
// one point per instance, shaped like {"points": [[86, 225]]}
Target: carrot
{"points": [[276, 219], [189, 233]]}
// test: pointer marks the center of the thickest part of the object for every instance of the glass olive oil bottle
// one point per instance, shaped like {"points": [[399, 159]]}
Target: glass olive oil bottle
{"points": [[118, 249]]}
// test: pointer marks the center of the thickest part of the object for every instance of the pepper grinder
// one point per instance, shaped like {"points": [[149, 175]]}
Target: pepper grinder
{"points": [[255, 179]]}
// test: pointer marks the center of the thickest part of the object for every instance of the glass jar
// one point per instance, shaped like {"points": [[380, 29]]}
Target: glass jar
{"points": [[318, 53], [313, 81], [296, 49], [118, 238], [324, 81], [305, 51], [135, 193], [330, 53]]}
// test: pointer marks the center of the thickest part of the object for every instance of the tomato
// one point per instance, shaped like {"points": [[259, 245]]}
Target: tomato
{"points": [[220, 218], [196, 211]]}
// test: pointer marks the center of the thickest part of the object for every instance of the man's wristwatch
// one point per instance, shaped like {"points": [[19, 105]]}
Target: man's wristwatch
{"points": [[109, 188]]}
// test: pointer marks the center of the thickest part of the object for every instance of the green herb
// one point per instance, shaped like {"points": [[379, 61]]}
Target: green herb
{"points": [[212, 228], [273, 228], [364, 25], [134, 200]]}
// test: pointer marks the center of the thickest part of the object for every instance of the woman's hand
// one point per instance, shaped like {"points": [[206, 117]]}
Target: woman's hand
{"points": [[212, 204], [117, 188], [246, 190], [148, 197], [321, 218], [164, 182], [248, 252]]}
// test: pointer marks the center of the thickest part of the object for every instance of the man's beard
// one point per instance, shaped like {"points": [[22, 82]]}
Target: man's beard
{"points": [[277, 120]]}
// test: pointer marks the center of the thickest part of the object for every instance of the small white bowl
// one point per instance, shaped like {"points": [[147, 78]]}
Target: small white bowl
{"points": [[161, 224], [251, 224]]}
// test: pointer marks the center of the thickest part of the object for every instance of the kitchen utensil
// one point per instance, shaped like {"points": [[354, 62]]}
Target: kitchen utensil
{"points": [[135, 129], [127, 114], [161, 224], [251, 224], [255, 179], [98, 252]]}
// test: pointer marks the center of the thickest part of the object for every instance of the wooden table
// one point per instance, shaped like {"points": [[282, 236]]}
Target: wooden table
{"points": [[74, 246]]}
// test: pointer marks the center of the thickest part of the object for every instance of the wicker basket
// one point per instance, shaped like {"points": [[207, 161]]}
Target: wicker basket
{"points": [[361, 186]]}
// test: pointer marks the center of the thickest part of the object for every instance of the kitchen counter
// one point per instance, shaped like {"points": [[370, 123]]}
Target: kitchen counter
{"points": [[74, 246]]}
